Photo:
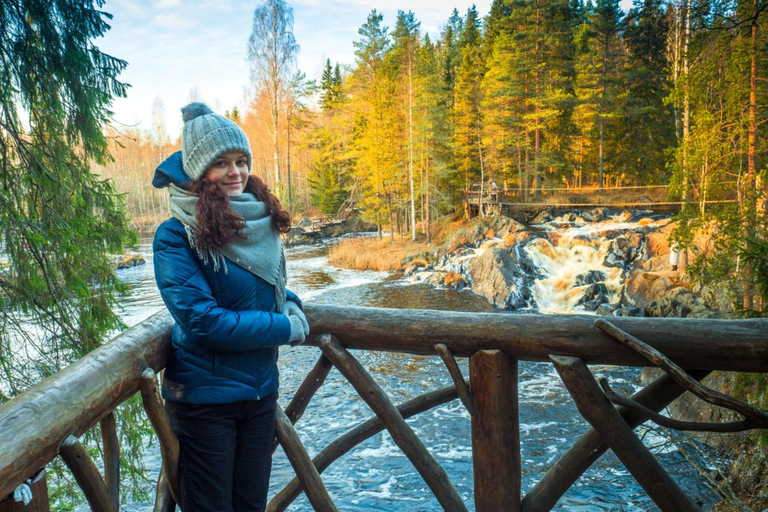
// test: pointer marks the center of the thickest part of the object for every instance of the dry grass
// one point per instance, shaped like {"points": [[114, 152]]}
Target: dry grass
{"points": [[373, 254]]}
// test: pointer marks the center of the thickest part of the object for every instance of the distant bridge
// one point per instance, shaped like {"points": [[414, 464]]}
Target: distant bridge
{"points": [[496, 200]]}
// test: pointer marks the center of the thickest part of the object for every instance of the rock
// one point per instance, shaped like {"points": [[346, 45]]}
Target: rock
{"points": [[128, 261], [497, 277], [543, 217], [469, 236], [642, 287], [454, 280], [591, 277], [596, 291], [629, 311], [614, 260], [604, 309], [413, 265], [591, 305], [504, 227], [515, 238], [598, 214]]}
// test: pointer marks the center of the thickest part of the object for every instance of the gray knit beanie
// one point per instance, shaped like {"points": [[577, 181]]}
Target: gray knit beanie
{"points": [[206, 136]]}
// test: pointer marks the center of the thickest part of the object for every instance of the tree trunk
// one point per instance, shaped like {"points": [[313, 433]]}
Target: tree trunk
{"points": [[410, 150], [686, 99], [288, 164]]}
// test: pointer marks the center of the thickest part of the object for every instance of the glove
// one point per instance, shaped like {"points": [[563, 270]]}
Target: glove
{"points": [[297, 331], [293, 309]]}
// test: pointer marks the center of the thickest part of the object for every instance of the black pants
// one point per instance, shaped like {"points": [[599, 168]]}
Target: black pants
{"points": [[225, 454]]}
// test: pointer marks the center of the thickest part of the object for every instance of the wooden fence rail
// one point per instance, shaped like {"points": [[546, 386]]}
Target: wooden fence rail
{"points": [[47, 420]]}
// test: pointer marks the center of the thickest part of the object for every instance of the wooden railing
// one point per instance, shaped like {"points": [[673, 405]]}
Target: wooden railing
{"points": [[47, 420]]}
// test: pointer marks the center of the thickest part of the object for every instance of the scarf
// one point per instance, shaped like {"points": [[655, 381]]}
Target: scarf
{"points": [[260, 252]]}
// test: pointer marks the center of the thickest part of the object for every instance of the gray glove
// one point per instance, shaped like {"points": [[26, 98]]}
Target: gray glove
{"points": [[293, 309], [297, 330]]}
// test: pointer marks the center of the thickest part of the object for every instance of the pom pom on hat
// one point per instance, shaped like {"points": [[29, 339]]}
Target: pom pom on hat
{"points": [[206, 136], [194, 110]]}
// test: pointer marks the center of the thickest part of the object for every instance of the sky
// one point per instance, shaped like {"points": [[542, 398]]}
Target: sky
{"points": [[176, 46]]}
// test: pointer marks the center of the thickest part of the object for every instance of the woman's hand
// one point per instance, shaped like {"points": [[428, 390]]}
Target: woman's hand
{"points": [[297, 331], [293, 309], [299, 324]]}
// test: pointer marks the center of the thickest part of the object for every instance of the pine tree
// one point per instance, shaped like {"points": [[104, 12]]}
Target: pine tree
{"points": [[327, 87], [406, 41], [377, 138], [467, 114], [599, 66], [59, 222], [647, 127]]}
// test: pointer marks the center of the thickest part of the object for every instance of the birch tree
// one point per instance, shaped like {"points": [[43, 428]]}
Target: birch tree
{"points": [[272, 51]]}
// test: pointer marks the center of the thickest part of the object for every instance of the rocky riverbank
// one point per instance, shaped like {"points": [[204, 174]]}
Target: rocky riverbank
{"points": [[606, 262]]}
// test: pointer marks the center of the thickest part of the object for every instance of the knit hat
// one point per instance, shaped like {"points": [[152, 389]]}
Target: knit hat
{"points": [[206, 136]]}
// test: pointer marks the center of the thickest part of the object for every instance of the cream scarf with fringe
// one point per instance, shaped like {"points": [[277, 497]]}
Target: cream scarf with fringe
{"points": [[260, 252]]}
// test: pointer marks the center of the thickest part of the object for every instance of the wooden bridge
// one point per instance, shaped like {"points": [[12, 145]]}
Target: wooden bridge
{"points": [[46, 421], [504, 199]]}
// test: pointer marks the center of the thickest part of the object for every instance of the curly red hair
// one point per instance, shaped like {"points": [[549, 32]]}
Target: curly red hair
{"points": [[218, 225]]}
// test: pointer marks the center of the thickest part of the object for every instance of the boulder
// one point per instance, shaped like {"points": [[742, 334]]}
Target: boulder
{"points": [[128, 261], [604, 309], [469, 236], [629, 311], [543, 217], [591, 305], [645, 287], [497, 277], [591, 277], [597, 293], [503, 227]]}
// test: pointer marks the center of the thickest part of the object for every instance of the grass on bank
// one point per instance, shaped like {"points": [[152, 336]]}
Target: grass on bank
{"points": [[373, 254], [386, 254]]}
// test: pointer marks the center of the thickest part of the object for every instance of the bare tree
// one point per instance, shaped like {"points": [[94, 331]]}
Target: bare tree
{"points": [[272, 50], [159, 134]]}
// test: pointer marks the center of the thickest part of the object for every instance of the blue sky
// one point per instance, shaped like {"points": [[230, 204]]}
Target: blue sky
{"points": [[174, 46]]}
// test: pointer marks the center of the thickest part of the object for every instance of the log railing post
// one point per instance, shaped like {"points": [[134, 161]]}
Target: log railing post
{"points": [[169, 444], [606, 420], [402, 434], [86, 475], [40, 502], [302, 464], [111, 457], [495, 431]]}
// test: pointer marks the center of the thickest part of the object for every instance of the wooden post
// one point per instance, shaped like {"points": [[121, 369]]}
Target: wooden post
{"points": [[495, 431], [39, 503], [169, 445], [402, 434], [307, 389], [164, 501], [111, 457], [87, 475], [302, 464], [590, 446], [458, 379], [357, 435], [603, 416]]}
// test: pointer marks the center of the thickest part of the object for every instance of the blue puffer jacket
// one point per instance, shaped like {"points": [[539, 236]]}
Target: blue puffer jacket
{"points": [[224, 343]]}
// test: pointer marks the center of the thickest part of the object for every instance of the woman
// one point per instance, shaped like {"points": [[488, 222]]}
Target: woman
{"points": [[220, 267]]}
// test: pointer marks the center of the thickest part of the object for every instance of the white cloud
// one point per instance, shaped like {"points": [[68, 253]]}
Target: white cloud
{"points": [[167, 4]]}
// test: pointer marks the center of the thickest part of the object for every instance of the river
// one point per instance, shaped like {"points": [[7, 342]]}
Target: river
{"points": [[376, 476]]}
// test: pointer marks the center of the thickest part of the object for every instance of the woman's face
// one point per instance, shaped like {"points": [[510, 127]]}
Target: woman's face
{"points": [[229, 172]]}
